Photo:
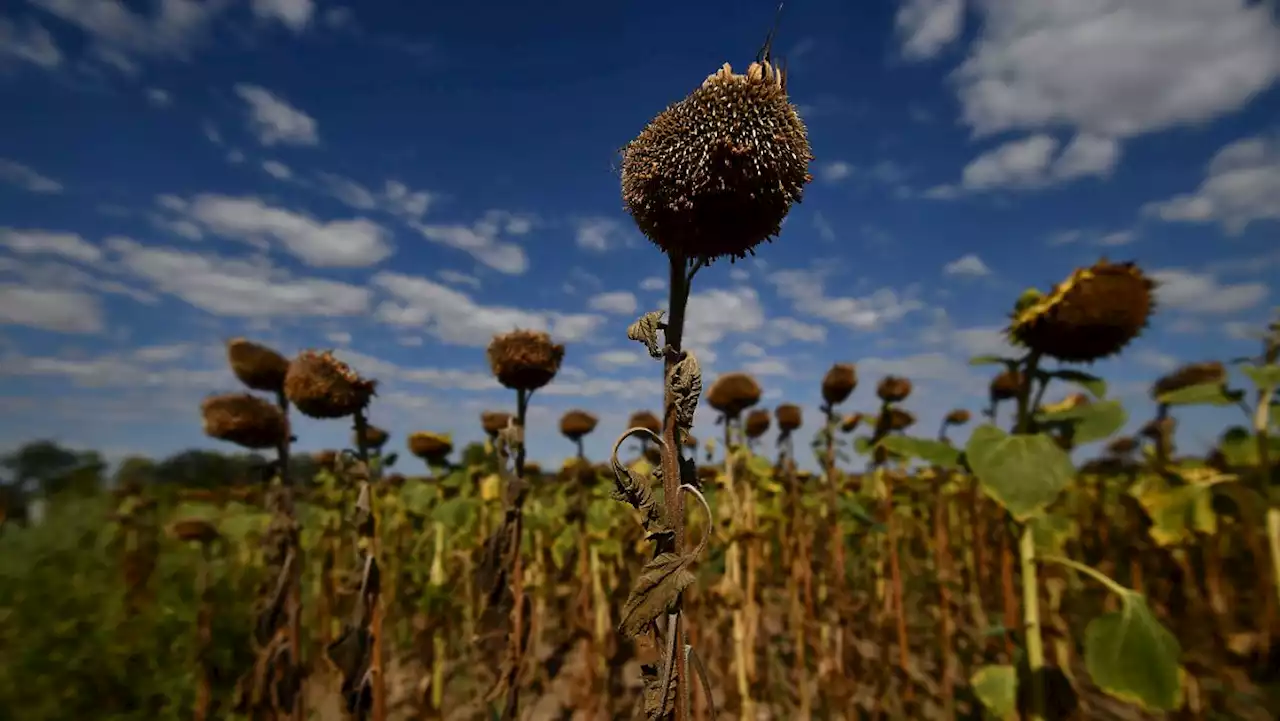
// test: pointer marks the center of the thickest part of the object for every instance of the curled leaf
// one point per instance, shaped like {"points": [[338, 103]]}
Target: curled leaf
{"points": [[655, 591], [645, 330]]}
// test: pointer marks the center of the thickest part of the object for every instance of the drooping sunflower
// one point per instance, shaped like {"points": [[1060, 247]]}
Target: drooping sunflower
{"points": [[1091, 315]]}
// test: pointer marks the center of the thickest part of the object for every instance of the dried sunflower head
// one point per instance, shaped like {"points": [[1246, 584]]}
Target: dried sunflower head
{"points": [[707, 474], [1158, 428], [899, 420], [576, 423], [245, 420], [715, 174], [646, 420], [493, 422], [1191, 374], [958, 417], [1006, 386], [839, 383], [524, 360], [733, 393], [1122, 446], [326, 459], [532, 469], [321, 386], [374, 438], [789, 417], [893, 389], [1093, 314], [756, 423], [257, 366], [433, 448], [851, 422], [196, 530]]}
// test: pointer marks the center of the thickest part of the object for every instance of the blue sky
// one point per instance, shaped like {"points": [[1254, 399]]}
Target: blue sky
{"points": [[401, 182]]}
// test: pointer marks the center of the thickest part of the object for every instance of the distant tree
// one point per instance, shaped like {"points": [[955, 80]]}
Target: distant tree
{"points": [[48, 469], [135, 469]]}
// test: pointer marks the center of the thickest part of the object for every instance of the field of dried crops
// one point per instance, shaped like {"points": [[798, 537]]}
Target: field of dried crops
{"points": [[910, 578]]}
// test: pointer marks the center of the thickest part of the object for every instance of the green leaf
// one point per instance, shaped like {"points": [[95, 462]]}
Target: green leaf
{"points": [[759, 466], [1091, 421], [1178, 513], [1051, 533], [997, 688], [1023, 473], [1205, 394], [989, 360], [1131, 656], [862, 444], [924, 449], [1091, 383], [1267, 376], [852, 509], [1239, 447]]}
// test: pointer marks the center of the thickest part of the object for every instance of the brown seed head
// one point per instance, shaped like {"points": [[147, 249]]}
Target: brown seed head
{"points": [[715, 174], [756, 423], [893, 389], [257, 366], [326, 459], [733, 393], [1006, 386], [1192, 374], [321, 386], [493, 422], [524, 359], [851, 422], [789, 417], [1093, 314], [532, 468], [707, 474], [690, 441], [395, 480], [653, 455], [1122, 446], [839, 383], [958, 417], [1158, 428], [900, 420], [194, 529], [577, 471], [646, 420], [244, 419], [576, 424], [433, 448], [374, 438]]}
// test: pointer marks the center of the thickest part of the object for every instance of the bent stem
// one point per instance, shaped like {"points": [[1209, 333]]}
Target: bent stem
{"points": [[369, 540], [672, 498]]}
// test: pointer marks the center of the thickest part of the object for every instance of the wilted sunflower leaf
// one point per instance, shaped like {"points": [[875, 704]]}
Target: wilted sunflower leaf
{"points": [[1089, 422], [686, 389], [925, 449], [1204, 394], [996, 686], [645, 330], [1023, 473], [656, 590], [1131, 656]]}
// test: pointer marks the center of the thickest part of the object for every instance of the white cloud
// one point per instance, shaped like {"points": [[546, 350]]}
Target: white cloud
{"points": [[1116, 238], [116, 32], [928, 26], [767, 367], [159, 98], [452, 378], [1034, 162], [1201, 293], [34, 242], [1114, 68], [24, 177], [739, 275], [482, 240], [782, 330], [339, 337], [275, 121], [277, 170], [1155, 360], [395, 197], [619, 302], [599, 234], [805, 290], [351, 243], [142, 368], [30, 43], [62, 311], [618, 358], [747, 349], [835, 171], [967, 265], [456, 278], [293, 14], [57, 275], [1241, 185], [453, 317], [711, 315], [233, 287], [653, 283]]}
